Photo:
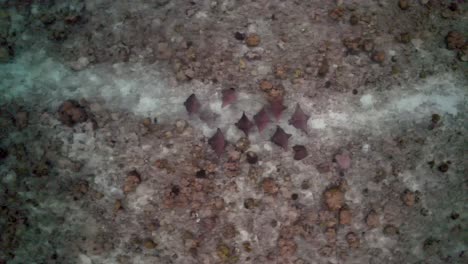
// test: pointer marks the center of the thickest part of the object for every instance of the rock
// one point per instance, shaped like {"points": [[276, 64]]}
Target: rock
{"points": [[403, 4], [131, 182], [163, 51], [453, 7], [71, 112], [270, 186], [353, 240], [80, 64], [343, 160], [443, 167], [58, 33], [253, 55], [242, 144], [180, 125], [219, 203], [251, 157], [189, 73], [330, 234], [409, 198], [249, 203], [323, 167], [5, 54], [118, 206], [463, 53], [378, 56], [41, 169], [326, 251], [281, 72], [390, 230], [345, 216], [367, 45], [149, 244], [323, 69], [3, 154], [72, 19], [336, 13], [21, 119], [372, 219], [287, 247], [404, 38], [252, 40], [334, 198], [281, 45], [455, 40], [201, 174], [352, 45], [80, 189], [265, 85], [229, 231], [225, 253], [239, 35], [294, 196], [354, 20]]}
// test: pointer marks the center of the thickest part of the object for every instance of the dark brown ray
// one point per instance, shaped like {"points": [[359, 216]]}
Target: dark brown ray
{"points": [[299, 119], [192, 104], [217, 142], [300, 152], [229, 96], [281, 138], [261, 119], [277, 108], [244, 124]]}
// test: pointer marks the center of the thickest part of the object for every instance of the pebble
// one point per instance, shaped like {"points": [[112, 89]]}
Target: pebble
{"points": [[251, 157], [270, 186], [131, 182], [345, 216], [403, 4], [21, 119], [353, 240], [239, 36], [80, 64], [149, 244], [409, 198], [252, 40], [378, 57], [181, 125], [354, 20], [265, 85], [390, 230], [372, 219]]}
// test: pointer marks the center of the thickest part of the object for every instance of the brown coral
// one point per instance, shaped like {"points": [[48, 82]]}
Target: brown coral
{"points": [[334, 198], [71, 112]]}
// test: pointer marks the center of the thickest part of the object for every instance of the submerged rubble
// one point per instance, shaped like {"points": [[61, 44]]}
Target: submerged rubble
{"points": [[232, 131]]}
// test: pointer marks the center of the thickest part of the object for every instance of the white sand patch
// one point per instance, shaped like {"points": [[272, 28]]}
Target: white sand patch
{"points": [[367, 101], [142, 90]]}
